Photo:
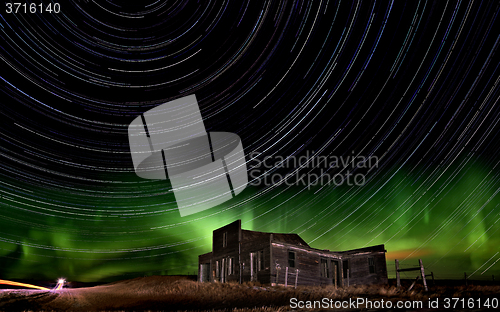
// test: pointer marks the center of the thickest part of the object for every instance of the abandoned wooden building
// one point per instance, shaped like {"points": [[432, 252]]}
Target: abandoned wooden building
{"points": [[271, 258]]}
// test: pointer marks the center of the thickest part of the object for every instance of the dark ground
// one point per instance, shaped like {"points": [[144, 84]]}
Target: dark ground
{"points": [[173, 293]]}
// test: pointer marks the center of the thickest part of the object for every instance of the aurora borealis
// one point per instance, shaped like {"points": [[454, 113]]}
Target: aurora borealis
{"points": [[414, 84]]}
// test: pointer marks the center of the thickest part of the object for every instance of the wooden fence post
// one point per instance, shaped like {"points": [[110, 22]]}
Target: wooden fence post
{"points": [[414, 282], [296, 277], [422, 271], [278, 269], [347, 277], [286, 277], [398, 280], [335, 269]]}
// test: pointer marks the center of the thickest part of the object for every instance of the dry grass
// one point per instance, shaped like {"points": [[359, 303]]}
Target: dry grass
{"points": [[164, 293]]}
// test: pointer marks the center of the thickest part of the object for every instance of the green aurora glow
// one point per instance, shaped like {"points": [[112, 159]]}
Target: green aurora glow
{"points": [[451, 224]]}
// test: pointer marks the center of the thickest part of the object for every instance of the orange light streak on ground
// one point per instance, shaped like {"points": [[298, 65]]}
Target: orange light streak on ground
{"points": [[4, 282]]}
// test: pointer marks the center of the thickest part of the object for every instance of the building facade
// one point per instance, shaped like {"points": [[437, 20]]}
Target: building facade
{"points": [[272, 258]]}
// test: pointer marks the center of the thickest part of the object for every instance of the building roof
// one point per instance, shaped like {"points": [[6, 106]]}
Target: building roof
{"points": [[375, 248], [290, 239], [296, 240]]}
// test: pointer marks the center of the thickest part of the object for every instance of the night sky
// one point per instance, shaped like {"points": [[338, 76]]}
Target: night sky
{"points": [[414, 85]]}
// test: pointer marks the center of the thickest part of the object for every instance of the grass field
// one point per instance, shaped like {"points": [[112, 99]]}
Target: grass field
{"points": [[157, 293]]}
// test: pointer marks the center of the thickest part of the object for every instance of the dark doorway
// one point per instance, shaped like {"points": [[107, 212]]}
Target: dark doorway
{"points": [[336, 273]]}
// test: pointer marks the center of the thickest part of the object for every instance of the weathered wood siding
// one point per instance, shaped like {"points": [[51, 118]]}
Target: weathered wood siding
{"points": [[307, 262], [359, 269], [226, 250], [204, 259], [233, 231], [232, 244], [254, 242]]}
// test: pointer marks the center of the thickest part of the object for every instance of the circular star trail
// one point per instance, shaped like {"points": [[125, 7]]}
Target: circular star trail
{"points": [[414, 86]]}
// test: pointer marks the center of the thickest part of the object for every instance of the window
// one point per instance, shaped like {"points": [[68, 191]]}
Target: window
{"points": [[224, 239], [253, 266], [291, 259], [345, 267], [336, 272], [323, 265], [217, 269], [260, 260], [371, 265], [230, 269]]}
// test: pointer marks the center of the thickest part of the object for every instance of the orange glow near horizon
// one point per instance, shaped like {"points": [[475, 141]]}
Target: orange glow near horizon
{"points": [[407, 254], [4, 282]]}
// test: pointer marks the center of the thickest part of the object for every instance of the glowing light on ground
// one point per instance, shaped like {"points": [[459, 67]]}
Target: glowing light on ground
{"points": [[4, 282], [60, 284]]}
